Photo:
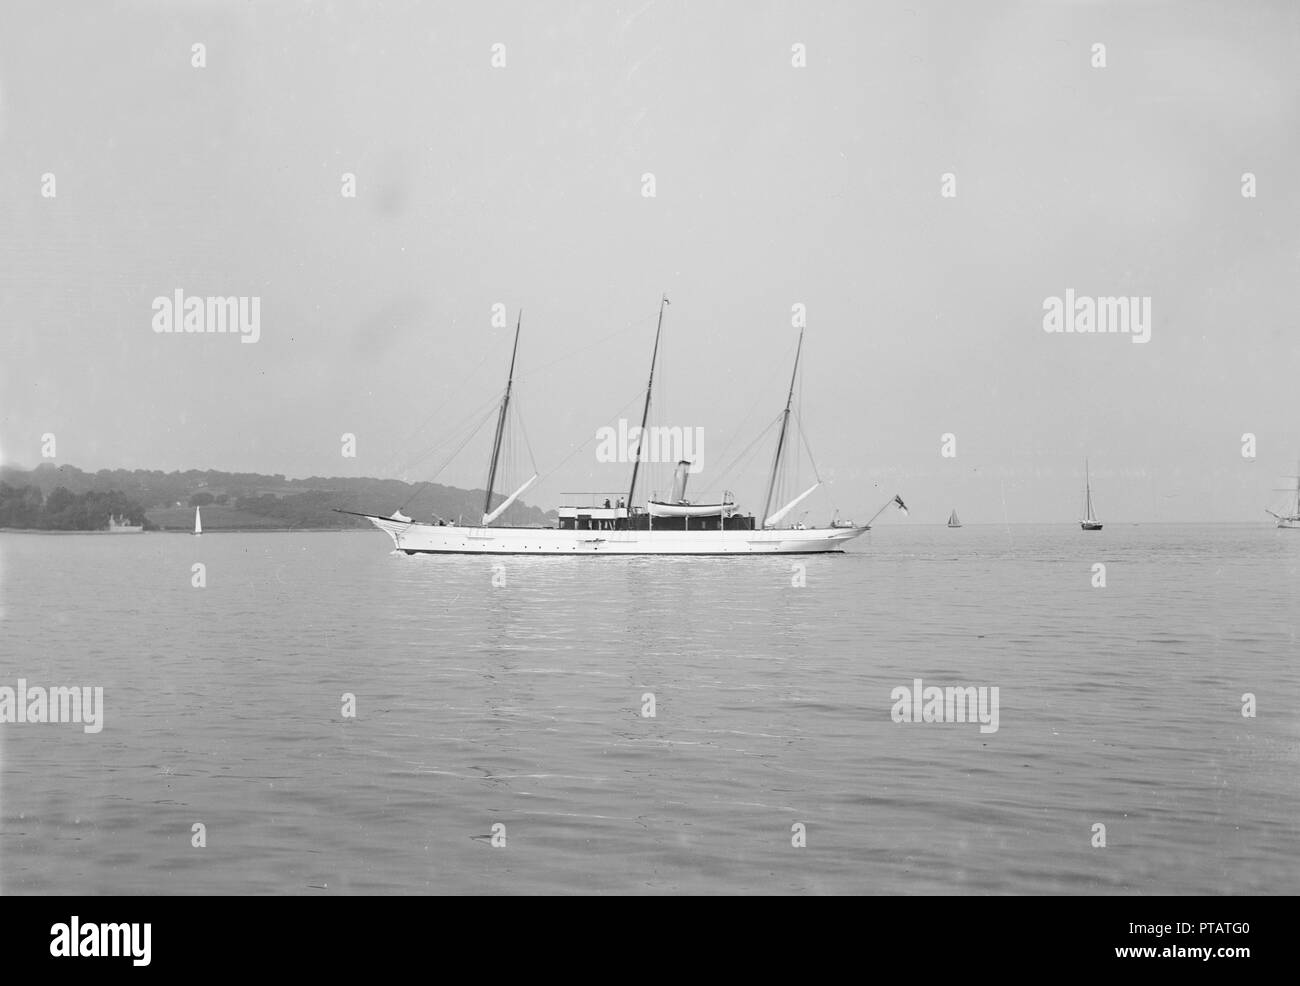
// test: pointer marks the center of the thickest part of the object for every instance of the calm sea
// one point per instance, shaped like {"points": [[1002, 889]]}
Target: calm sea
{"points": [[517, 710]]}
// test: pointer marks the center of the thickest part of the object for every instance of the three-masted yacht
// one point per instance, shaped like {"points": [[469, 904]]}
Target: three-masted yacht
{"points": [[1090, 521], [671, 525]]}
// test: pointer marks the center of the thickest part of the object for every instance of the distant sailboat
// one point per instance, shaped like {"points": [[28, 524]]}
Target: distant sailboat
{"points": [[1089, 522], [1291, 519], [198, 521], [953, 521]]}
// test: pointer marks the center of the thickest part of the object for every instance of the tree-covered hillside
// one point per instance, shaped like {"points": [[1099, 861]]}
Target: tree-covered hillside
{"points": [[28, 507], [237, 500]]}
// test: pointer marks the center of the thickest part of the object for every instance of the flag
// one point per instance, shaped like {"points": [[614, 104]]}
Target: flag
{"points": [[901, 505]]}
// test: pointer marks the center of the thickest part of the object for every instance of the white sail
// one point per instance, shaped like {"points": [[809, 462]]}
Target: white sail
{"points": [[1089, 522], [775, 519], [488, 518], [953, 521], [198, 522]]}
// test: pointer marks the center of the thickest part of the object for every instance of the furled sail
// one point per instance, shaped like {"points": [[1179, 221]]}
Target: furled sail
{"points": [[775, 519], [488, 518]]}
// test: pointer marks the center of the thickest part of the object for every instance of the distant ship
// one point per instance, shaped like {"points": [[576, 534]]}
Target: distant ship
{"points": [[198, 521], [1090, 521], [120, 525], [953, 521], [671, 525], [1291, 519]]}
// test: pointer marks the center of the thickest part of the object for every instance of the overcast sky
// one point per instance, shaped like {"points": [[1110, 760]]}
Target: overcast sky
{"points": [[774, 185]]}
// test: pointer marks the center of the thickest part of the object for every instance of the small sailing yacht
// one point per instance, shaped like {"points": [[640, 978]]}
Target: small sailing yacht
{"points": [[953, 521], [1090, 521], [1291, 519], [198, 521]]}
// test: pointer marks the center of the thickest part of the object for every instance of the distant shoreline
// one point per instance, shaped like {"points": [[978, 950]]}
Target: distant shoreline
{"points": [[874, 529], [178, 530]]}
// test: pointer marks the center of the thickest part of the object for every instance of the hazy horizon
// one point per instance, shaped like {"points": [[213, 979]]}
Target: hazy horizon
{"points": [[775, 185]]}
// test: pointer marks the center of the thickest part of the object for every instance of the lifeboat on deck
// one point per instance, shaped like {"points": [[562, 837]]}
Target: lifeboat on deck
{"points": [[660, 508]]}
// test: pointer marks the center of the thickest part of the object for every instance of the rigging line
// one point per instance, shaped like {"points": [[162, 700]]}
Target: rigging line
{"points": [[541, 480], [453, 430], [582, 349], [483, 420], [748, 461], [524, 431], [468, 438], [453, 433], [469, 414], [746, 450], [464, 382], [812, 459], [762, 392]]}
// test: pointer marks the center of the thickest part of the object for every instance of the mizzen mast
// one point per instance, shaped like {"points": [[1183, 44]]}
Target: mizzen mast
{"points": [[501, 424], [645, 414], [780, 442]]}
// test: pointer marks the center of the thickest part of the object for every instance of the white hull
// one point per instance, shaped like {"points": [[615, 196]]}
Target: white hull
{"points": [[415, 538]]}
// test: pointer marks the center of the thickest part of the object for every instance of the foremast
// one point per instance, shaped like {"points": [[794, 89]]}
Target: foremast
{"points": [[771, 520], [488, 513], [645, 414]]}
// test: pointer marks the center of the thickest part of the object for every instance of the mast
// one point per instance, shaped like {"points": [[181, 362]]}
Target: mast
{"points": [[785, 421], [501, 422], [1087, 492], [645, 414]]}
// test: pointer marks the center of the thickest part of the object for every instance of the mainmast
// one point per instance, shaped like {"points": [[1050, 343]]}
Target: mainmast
{"points": [[501, 421], [645, 414], [780, 442], [1087, 492]]}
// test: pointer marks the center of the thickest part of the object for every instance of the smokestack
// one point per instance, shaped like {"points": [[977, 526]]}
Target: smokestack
{"points": [[679, 481]]}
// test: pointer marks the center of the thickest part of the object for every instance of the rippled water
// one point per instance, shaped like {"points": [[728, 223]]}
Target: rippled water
{"points": [[521, 705]]}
